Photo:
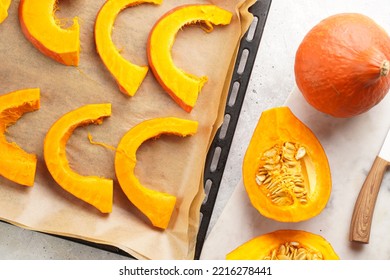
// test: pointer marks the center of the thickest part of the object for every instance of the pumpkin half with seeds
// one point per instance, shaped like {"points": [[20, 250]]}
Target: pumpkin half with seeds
{"points": [[285, 245], [285, 171]]}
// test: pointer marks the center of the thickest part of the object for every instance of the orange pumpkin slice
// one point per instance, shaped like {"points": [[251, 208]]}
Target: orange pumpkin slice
{"points": [[40, 27], [181, 86], [285, 245], [128, 75], [286, 172], [16, 164], [94, 190], [157, 206], [4, 5]]}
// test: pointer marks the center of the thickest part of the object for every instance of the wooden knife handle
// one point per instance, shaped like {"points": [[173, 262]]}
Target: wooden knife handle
{"points": [[365, 203]]}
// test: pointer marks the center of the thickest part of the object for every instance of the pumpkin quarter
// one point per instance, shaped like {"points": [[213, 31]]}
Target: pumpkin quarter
{"points": [[128, 75], [181, 86], [4, 5], [39, 25], [16, 164], [96, 191], [157, 206], [285, 170]]}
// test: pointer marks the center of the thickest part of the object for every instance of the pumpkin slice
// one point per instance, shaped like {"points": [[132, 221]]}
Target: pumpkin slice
{"points": [[16, 164], [40, 27], [128, 75], [157, 206], [285, 170], [181, 86], [94, 190], [285, 245], [4, 5]]}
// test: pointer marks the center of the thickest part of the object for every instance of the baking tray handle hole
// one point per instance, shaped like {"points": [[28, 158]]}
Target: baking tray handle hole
{"points": [[224, 127], [252, 29], [243, 61], [207, 188]]}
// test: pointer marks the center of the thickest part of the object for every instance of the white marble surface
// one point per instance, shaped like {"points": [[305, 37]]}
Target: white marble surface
{"points": [[351, 144], [351, 151], [271, 81]]}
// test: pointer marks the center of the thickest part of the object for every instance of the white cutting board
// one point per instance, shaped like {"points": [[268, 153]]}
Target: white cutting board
{"points": [[351, 146]]}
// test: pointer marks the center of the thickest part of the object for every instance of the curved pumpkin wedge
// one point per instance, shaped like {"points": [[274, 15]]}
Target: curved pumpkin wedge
{"points": [[285, 245], [286, 171], [4, 5], [128, 75], [181, 86], [40, 27], [94, 190], [16, 164], [157, 206]]}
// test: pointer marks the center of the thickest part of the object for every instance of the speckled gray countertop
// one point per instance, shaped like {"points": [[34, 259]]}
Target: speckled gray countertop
{"points": [[271, 82]]}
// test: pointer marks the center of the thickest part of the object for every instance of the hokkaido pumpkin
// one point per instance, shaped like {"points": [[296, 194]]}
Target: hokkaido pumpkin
{"points": [[16, 164], [181, 86], [128, 75], [285, 171], [96, 191], [285, 245], [342, 65], [157, 206], [39, 25], [4, 5]]}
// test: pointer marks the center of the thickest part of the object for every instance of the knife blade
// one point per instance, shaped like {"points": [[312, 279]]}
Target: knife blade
{"points": [[360, 227]]}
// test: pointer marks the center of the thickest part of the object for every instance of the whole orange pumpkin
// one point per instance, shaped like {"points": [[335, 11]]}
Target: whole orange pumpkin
{"points": [[342, 65]]}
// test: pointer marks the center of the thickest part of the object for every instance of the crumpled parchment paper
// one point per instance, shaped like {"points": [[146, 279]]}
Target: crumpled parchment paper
{"points": [[170, 164]]}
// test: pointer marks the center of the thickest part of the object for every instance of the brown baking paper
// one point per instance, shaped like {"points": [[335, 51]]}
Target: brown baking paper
{"points": [[171, 164]]}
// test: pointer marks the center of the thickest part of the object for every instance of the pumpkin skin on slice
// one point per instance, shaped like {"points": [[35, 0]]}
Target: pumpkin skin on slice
{"points": [[16, 164], [128, 75], [4, 5], [39, 25], [157, 206], [302, 245], [94, 190], [285, 170], [183, 87]]}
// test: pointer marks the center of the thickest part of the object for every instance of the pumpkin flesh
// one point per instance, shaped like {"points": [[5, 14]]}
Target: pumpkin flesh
{"points": [[16, 164], [181, 86], [128, 75], [96, 191], [39, 25], [285, 170], [342, 64], [285, 245], [157, 206], [4, 5]]}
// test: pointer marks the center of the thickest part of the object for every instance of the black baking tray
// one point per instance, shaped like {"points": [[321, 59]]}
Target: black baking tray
{"points": [[220, 146]]}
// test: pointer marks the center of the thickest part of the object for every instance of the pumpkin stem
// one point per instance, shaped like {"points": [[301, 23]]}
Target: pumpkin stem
{"points": [[385, 68]]}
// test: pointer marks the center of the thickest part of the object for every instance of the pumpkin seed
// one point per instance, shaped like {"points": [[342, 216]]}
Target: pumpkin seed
{"points": [[280, 174], [293, 251], [300, 153]]}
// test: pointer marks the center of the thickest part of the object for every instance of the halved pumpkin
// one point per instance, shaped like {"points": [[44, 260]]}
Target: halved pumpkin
{"points": [[285, 170], [128, 75], [40, 27], [181, 86], [157, 206], [285, 245], [16, 164], [4, 5], [94, 190]]}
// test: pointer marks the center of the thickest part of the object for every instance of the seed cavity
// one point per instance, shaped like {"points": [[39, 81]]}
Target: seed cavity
{"points": [[293, 251], [281, 174]]}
